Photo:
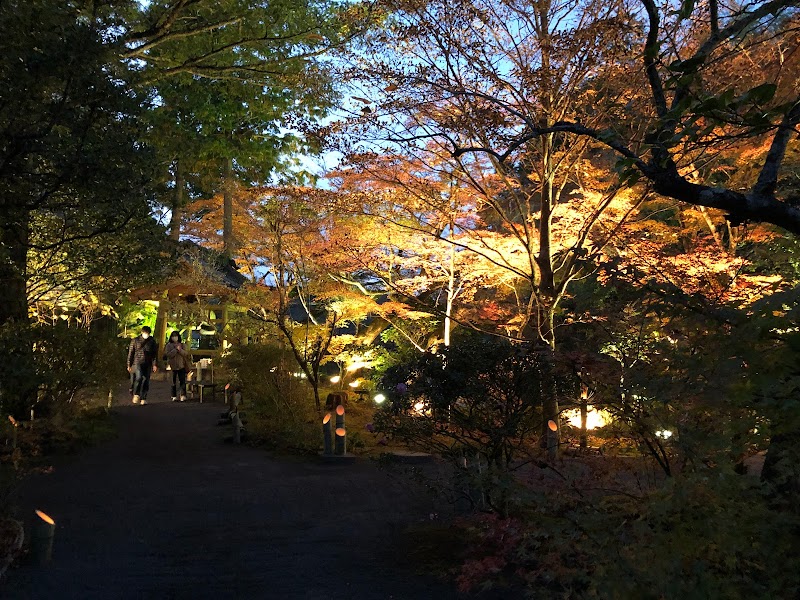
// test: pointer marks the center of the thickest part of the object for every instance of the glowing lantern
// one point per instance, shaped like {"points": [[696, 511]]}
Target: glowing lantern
{"points": [[46, 518], [44, 529]]}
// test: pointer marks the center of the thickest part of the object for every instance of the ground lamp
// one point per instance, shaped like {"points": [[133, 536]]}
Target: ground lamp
{"points": [[340, 446], [326, 435], [42, 533]]}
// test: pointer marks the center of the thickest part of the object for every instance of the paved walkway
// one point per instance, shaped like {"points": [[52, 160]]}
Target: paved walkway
{"points": [[169, 511]]}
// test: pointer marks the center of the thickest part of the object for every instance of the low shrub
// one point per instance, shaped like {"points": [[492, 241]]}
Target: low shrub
{"points": [[49, 368], [279, 406], [705, 536]]}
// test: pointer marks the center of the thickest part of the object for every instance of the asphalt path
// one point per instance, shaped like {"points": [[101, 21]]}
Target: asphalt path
{"points": [[168, 510]]}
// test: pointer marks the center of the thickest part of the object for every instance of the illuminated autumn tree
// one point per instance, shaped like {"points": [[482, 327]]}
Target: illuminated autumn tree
{"points": [[283, 232], [454, 88]]}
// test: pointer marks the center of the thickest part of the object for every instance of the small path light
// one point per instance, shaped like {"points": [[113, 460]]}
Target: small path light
{"points": [[15, 425], [340, 446], [326, 435], [44, 529], [341, 441], [379, 398], [552, 439]]}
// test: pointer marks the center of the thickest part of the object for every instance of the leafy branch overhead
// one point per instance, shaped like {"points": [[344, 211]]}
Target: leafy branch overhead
{"points": [[664, 92], [235, 39]]}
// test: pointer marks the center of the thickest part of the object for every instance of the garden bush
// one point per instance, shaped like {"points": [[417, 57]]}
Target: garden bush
{"points": [[49, 367], [478, 404], [279, 406]]}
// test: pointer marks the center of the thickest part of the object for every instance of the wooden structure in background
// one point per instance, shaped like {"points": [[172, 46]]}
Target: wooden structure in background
{"points": [[205, 286]]}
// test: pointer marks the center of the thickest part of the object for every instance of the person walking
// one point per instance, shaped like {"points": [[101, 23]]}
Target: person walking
{"points": [[178, 359], [142, 354]]}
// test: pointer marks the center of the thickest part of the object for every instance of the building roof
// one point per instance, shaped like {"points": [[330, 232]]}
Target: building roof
{"points": [[198, 271]]}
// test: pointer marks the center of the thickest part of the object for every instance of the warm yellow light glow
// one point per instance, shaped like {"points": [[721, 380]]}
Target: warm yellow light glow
{"points": [[326, 419], [340, 410], [335, 379], [552, 425], [46, 518], [340, 431], [419, 407], [379, 398], [594, 418], [355, 384], [357, 362]]}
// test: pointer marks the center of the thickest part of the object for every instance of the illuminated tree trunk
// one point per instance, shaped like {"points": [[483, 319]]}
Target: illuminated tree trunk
{"points": [[161, 329], [451, 293], [550, 408], [546, 329], [584, 429]]}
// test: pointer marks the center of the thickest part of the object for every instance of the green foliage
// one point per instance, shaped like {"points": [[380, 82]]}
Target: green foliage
{"points": [[480, 404], [54, 366], [76, 176], [134, 315], [277, 404], [704, 536]]}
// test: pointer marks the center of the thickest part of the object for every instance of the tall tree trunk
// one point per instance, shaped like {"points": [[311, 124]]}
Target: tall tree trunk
{"points": [[14, 239], [547, 292], [17, 388], [584, 429], [228, 241], [160, 333], [178, 201], [550, 408]]}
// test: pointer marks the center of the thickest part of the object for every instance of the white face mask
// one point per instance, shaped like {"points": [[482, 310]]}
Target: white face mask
{"points": [[145, 335]]}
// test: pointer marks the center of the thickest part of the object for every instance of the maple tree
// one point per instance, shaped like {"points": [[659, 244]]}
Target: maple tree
{"points": [[454, 89], [283, 233]]}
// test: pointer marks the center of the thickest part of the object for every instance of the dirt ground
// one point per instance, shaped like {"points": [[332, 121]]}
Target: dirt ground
{"points": [[168, 510]]}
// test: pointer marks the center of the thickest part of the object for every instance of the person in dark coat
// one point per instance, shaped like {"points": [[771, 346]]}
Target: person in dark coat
{"points": [[142, 354]]}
